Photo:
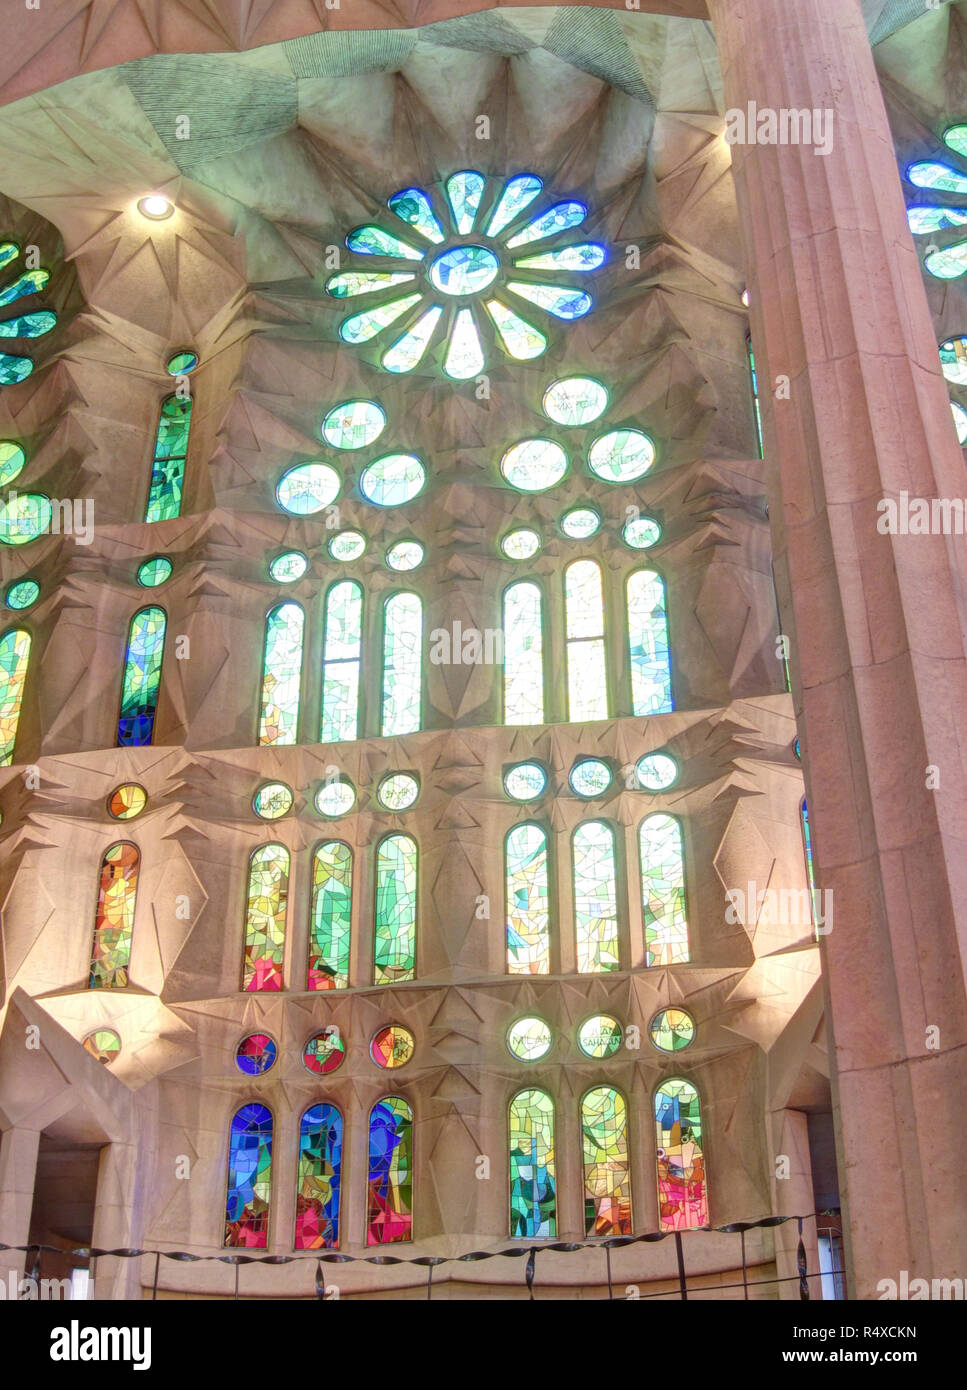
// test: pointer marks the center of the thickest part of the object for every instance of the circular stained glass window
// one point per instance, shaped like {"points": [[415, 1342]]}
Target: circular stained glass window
{"points": [[525, 781], [405, 555], [580, 523], [127, 801], [256, 1054], [599, 1036], [25, 517], [795, 748], [656, 771], [12, 460], [529, 1039], [354, 424], [393, 1046], [621, 456], [534, 465], [641, 533], [22, 594], [104, 1044], [960, 423], [308, 488], [522, 544], [576, 400], [347, 545], [288, 567], [464, 270], [590, 777], [154, 572], [953, 360], [325, 1052], [335, 798], [398, 791], [672, 1029], [181, 363], [272, 801], [393, 480]]}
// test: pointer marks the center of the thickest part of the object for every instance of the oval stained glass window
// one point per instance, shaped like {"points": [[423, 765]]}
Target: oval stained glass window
{"points": [[324, 1053], [272, 801], [354, 424], [621, 456], [104, 1044], [599, 1036], [308, 488], [522, 544], [529, 1039], [672, 1030], [335, 798], [641, 533], [288, 567], [256, 1054], [181, 363], [154, 572], [575, 400], [127, 801], [590, 777], [393, 1046], [398, 791], [347, 545], [960, 424], [464, 270], [525, 782], [656, 771], [25, 517], [405, 555], [22, 594], [393, 480], [12, 460], [534, 465], [580, 523]]}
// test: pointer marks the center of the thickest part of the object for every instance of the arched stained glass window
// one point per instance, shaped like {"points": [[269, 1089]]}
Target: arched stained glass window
{"points": [[14, 659], [595, 897], [341, 651], [402, 665], [533, 1204], [807, 845], [523, 654], [281, 675], [117, 897], [390, 1209], [395, 944], [268, 891], [587, 680], [682, 1187], [320, 1162], [330, 916], [607, 1174], [651, 677], [142, 677], [754, 379], [170, 453], [528, 901], [249, 1178], [663, 890]]}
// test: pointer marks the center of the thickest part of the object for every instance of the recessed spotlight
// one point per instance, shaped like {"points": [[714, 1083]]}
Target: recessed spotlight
{"points": [[745, 298], [156, 207]]}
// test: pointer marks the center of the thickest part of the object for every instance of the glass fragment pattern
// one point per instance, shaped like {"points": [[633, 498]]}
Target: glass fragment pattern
{"points": [[672, 1030], [342, 653], [533, 1203], [308, 488], [935, 219], [393, 480], [949, 263], [32, 325], [621, 456], [580, 523], [656, 771], [320, 1164], [103, 1044], [562, 303], [142, 678], [599, 1036], [560, 218], [607, 1170], [404, 556], [464, 192], [335, 798], [288, 567], [361, 327], [516, 334], [464, 270], [581, 258], [407, 352], [522, 544], [390, 1206], [393, 1046], [525, 782], [682, 1191], [534, 465], [953, 360], [517, 195], [351, 283], [256, 1054], [930, 173], [412, 205], [330, 916], [587, 680], [528, 901], [353, 424], [590, 777], [346, 546], [662, 861], [651, 677], [14, 660], [529, 1039], [12, 461], [181, 363], [402, 665], [595, 897], [281, 676], [272, 801], [22, 594], [154, 572], [24, 517], [395, 936], [170, 457], [523, 654], [398, 791], [114, 919], [324, 1053], [268, 892], [127, 801], [641, 533], [249, 1178], [465, 357]]}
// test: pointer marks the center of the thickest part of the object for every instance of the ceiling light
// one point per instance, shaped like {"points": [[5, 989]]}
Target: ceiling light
{"points": [[155, 207]]}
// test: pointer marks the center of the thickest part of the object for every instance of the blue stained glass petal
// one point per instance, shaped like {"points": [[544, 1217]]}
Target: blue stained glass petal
{"points": [[563, 302], [29, 283], [14, 369], [464, 191], [559, 218], [582, 258], [518, 194], [412, 206], [9, 251], [928, 173], [28, 325], [373, 241], [935, 219]]}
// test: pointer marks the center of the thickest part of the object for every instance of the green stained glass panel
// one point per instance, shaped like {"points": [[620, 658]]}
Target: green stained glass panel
{"points": [[12, 460], [142, 678], [575, 400], [342, 652], [30, 282], [580, 523], [641, 533], [170, 454], [330, 916], [281, 675], [533, 1205], [406, 352], [607, 1169], [948, 264], [529, 1039], [405, 555], [14, 659], [402, 665], [465, 355], [268, 892], [28, 325], [351, 283], [534, 465], [288, 567], [373, 241], [154, 572], [561, 301], [348, 545], [412, 206], [935, 219], [929, 173], [651, 680], [663, 890], [308, 488], [522, 544], [621, 456], [353, 424], [272, 801], [528, 901], [595, 897], [22, 594], [560, 218], [393, 480], [25, 517], [464, 191], [395, 943], [588, 256], [360, 328]]}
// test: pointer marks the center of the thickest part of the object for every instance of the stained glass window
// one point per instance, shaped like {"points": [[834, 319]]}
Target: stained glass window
{"points": [[534, 465], [390, 1207], [621, 456], [807, 844], [341, 653], [754, 379], [405, 555], [335, 798], [324, 1052], [12, 461], [528, 901], [272, 800], [520, 544], [523, 654], [353, 424], [651, 677], [268, 891], [641, 533], [23, 517], [392, 1046], [599, 1036], [402, 664], [587, 681], [590, 777], [154, 572], [392, 480], [104, 1044], [533, 1204], [320, 1161], [347, 546], [529, 1039], [580, 523], [142, 677], [595, 897], [398, 791], [14, 659], [127, 801], [23, 593], [655, 772], [663, 890], [525, 781], [249, 1178], [256, 1054], [682, 1188], [672, 1030], [170, 454], [330, 916], [114, 920], [32, 325], [281, 675], [607, 1172], [308, 488], [575, 400], [288, 567], [395, 945]]}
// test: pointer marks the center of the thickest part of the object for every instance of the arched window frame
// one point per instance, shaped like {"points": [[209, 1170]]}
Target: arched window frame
{"points": [[572, 645], [627, 1224], [550, 1167], [277, 973], [619, 878], [551, 896], [685, 894], [262, 740], [328, 1241], [667, 1224], [344, 662], [141, 743], [321, 844], [9, 747], [410, 974], [384, 632], [545, 634], [262, 1234], [118, 977], [626, 617], [406, 1234]]}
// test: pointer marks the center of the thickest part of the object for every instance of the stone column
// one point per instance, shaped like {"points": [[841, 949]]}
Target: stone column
{"points": [[838, 308], [18, 1168], [115, 1227]]}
